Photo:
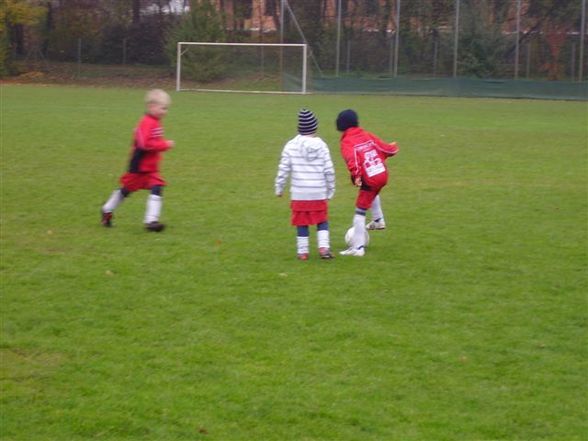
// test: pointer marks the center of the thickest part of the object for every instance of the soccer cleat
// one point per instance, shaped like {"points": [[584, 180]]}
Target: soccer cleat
{"points": [[325, 253], [154, 226], [357, 252], [106, 219], [303, 256], [376, 225]]}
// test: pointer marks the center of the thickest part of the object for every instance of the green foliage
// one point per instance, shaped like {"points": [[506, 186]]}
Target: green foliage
{"points": [[556, 11], [70, 25], [202, 24], [482, 42], [466, 319], [4, 55], [104, 32], [147, 41], [14, 13]]}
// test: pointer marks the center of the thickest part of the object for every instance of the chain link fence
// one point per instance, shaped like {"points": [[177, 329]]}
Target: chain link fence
{"points": [[471, 47], [520, 48]]}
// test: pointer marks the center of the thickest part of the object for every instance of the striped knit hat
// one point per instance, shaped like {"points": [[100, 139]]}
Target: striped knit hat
{"points": [[307, 122]]}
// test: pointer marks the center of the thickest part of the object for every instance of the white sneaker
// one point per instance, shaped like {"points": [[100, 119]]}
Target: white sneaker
{"points": [[357, 252], [376, 225]]}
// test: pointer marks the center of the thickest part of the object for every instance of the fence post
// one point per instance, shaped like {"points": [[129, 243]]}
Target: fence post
{"points": [[435, 49], [79, 55], [397, 38], [455, 38], [124, 50], [391, 57], [348, 64], [516, 67], [338, 47], [573, 61], [282, 11], [528, 69], [582, 38]]}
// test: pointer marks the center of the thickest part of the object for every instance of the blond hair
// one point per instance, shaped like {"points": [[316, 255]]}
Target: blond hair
{"points": [[157, 96]]}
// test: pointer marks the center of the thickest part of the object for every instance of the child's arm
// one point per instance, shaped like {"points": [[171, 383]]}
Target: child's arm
{"points": [[329, 174], [284, 168], [348, 153], [149, 136], [389, 149]]}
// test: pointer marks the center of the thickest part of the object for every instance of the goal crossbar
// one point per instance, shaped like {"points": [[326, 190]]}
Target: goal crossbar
{"points": [[304, 66]]}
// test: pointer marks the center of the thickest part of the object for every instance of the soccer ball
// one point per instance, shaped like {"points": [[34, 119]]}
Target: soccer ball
{"points": [[349, 237]]}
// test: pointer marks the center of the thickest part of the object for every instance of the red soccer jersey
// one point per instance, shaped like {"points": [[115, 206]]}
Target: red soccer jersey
{"points": [[365, 155], [148, 143]]}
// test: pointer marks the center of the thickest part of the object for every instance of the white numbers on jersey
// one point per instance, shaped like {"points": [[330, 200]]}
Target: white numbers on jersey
{"points": [[372, 163]]}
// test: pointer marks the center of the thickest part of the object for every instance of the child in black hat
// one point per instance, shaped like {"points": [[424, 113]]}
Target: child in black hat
{"points": [[365, 155]]}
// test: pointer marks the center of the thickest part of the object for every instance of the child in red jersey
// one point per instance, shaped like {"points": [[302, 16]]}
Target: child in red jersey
{"points": [[365, 155], [143, 170]]}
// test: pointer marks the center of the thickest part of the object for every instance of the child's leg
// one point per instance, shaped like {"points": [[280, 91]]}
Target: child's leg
{"points": [[377, 222], [324, 243], [359, 228], [377, 213], [302, 240], [154, 203], [115, 200], [357, 246], [323, 235]]}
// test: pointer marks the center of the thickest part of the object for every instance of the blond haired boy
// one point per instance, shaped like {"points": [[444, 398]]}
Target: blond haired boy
{"points": [[145, 158]]}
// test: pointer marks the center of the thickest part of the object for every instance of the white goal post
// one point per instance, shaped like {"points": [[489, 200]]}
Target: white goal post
{"points": [[218, 66]]}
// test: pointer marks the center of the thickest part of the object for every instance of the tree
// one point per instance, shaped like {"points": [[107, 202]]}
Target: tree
{"points": [[483, 42], [202, 23], [14, 15], [136, 11], [553, 19]]}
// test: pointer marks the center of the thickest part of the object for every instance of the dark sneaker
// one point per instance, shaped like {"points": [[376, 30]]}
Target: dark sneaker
{"points": [[106, 220], [154, 226], [325, 253], [302, 256]]}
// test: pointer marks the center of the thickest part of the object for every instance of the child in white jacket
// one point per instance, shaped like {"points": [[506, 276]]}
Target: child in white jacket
{"points": [[306, 160]]}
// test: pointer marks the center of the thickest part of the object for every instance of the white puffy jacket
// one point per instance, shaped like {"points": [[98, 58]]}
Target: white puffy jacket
{"points": [[306, 160]]}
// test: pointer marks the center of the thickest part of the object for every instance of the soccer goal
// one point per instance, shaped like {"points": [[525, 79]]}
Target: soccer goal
{"points": [[241, 67]]}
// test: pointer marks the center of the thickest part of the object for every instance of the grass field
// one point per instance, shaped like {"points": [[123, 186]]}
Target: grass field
{"points": [[464, 321]]}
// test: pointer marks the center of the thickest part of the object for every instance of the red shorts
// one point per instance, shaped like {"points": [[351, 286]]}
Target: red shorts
{"points": [[366, 196], [309, 212], [141, 181]]}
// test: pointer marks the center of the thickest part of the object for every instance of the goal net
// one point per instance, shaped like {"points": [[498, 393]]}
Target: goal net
{"points": [[241, 67]]}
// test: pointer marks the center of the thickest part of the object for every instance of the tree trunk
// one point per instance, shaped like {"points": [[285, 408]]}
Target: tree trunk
{"points": [[136, 11]]}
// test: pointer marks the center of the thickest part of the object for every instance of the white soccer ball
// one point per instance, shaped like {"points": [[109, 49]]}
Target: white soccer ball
{"points": [[349, 237]]}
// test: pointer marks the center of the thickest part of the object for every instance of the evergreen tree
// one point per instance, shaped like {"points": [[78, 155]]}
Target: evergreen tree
{"points": [[202, 24]]}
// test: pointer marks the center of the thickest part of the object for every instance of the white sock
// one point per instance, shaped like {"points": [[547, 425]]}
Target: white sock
{"points": [[377, 213], [302, 244], [113, 201], [323, 239], [358, 230], [153, 211]]}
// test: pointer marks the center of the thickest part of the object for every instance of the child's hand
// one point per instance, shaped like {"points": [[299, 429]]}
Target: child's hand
{"points": [[170, 144], [357, 181]]}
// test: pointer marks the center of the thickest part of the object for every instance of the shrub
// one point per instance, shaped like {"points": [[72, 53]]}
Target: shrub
{"points": [[202, 23]]}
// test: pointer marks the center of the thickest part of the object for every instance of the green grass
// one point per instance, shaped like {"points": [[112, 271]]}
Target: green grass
{"points": [[464, 321]]}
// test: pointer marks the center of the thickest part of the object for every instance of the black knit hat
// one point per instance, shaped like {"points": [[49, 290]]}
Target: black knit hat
{"points": [[307, 122], [346, 119]]}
